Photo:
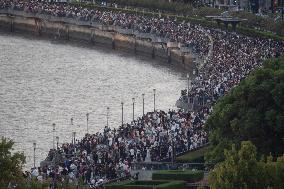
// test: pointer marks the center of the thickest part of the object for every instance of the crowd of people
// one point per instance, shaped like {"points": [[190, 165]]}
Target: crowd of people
{"points": [[157, 135], [190, 35], [233, 58], [98, 157]]}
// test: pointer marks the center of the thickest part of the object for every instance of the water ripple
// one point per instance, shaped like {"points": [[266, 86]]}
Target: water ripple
{"points": [[43, 83]]}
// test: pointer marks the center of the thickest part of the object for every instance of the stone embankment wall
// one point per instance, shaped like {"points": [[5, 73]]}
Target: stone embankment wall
{"points": [[103, 35]]}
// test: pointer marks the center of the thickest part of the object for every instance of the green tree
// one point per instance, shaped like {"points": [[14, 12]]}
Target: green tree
{"points": [[10, 164], [241, 170], [253, 111], [275, 172]]}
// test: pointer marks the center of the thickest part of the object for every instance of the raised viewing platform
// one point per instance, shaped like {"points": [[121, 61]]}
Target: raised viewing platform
{"points": [[226, 20]]}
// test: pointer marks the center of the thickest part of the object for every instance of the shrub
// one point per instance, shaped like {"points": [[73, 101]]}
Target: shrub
{"points": [[188, 175], [257, 33], [157, 4]]}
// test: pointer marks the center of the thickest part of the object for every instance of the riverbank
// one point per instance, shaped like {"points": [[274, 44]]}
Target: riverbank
{"points": [[96, 34]]}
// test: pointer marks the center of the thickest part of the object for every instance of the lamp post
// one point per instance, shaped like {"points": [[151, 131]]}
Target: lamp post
{"points": [[34, 144], [72, 127], [173, 149], [53, 131], [133, 103], [282, 11], [121, 113], [57, 141], [87, 115], [74, 137], [107, 115], [187, 76], [143, 95], [174, 152], [154, 90]]}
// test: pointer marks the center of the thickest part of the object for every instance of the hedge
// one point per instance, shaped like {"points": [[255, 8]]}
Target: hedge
{"points": [[147, 184], [187, 175], [264, 34], [259, 22], [162, 5]]}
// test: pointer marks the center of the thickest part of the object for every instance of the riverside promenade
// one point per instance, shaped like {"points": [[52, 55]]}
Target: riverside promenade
{"points": [[102, 156], [96, 33], [111, 154]]}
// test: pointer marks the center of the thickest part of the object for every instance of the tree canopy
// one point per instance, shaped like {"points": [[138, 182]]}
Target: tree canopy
{"points": [[10, 164], [241, 170], [11, 174], [254, 110]]}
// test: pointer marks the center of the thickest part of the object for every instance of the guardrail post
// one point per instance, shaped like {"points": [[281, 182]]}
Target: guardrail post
{"points": [[11, 23], [135, 45], [57, 35], [169, 55], [67, 32], [113, 43], [92, 37], [183, 59], [38, 26], [153, 50]]}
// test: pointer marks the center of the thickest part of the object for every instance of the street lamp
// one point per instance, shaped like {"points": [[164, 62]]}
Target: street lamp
{"points": [[187, 76], [72, 127], [74, 137], [57, 141], [133, 103], [121, 113], [107, 115], [87, 115], [282, 11], [34, 144], [173, 148], [143, 95], [53, 130], [173, 152], [154, 90]]}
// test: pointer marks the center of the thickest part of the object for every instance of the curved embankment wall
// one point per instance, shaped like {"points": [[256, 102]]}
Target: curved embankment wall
{"points": [[109, 38]]}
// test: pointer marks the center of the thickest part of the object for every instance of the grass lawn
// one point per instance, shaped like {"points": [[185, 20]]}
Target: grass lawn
{"points": [[196, 156], [186, 175], [147, 184]]}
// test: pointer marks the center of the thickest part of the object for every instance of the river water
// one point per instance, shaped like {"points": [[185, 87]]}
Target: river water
{"points": [[44, 82]]}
